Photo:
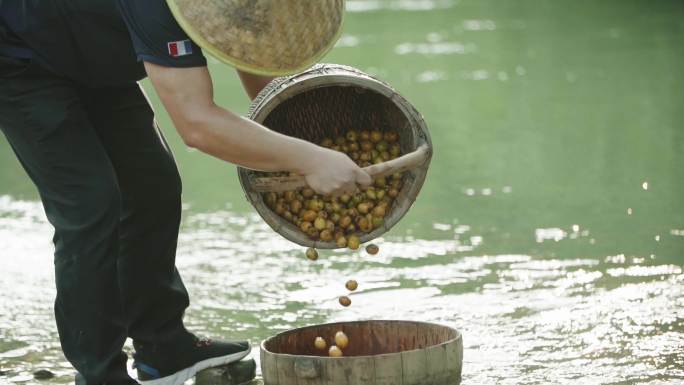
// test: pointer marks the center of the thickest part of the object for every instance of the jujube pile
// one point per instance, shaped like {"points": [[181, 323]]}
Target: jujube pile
{"points": [[345, 218]]}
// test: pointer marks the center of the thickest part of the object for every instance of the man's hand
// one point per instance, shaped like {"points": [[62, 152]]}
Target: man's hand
{"points": [[187, 95], [332, 172]]}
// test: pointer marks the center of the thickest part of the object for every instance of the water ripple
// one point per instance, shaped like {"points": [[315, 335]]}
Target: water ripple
{"points": [[522, 316]]}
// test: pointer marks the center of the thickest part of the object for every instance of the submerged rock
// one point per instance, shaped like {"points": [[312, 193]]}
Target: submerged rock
{"points": [[235, 373], [43, 374]]}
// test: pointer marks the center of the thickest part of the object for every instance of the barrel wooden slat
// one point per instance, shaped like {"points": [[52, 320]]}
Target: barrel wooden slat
{"points": [[356, 343], [310, 381], [436, 364], [326, 375], [411, 337], [388, 343], [365, 336], [376, 338], [337, 369], [454, 359], [403, 337], [422, 337], [388, 370], [269, 368], [459, 361], [364, 370], [414, 367], [432, 336], [444, 334], [308, 377], [379, 353], [365, 373], [286, 373]]}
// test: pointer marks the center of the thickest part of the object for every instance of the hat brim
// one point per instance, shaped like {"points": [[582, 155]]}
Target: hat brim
{"points": [[244, 66]]}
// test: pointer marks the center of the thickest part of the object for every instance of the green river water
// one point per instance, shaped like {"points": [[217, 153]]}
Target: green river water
{"points": [[550, 230]]}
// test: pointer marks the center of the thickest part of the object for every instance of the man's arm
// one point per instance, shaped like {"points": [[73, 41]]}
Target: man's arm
{"points": [[253, 84], [187, 95]]}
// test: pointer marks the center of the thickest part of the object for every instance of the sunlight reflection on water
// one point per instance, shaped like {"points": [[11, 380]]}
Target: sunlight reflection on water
{"points": [[549, 232], [522, 317], [403, 5]]}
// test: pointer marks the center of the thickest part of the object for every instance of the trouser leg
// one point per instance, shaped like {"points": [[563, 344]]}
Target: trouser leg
{"points": [[44, 120], [153, 293]]}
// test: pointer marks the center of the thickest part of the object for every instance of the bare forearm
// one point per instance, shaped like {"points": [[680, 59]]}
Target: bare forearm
{"points": [[187, 95], [253, 84], [220, 133]]}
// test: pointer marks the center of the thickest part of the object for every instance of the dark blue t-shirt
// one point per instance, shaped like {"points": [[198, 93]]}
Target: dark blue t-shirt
{"points": [[96, 42]]}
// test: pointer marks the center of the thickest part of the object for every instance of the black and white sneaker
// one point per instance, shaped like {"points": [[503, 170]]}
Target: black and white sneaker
{"points": [[173, 365], [80, 380]]}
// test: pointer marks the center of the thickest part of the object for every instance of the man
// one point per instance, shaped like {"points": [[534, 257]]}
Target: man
{"points": [[84, 132]]}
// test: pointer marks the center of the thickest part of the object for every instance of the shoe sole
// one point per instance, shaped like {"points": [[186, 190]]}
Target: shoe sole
{"points": [[183, 375]]}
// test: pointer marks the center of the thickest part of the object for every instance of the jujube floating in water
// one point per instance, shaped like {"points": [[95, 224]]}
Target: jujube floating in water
{"points": [[351, 285]]}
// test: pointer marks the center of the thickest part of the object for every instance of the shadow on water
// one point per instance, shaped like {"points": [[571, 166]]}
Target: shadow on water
{"points": [[550, 230]]}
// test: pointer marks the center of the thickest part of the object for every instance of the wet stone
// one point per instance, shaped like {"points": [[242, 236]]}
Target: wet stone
{"points": [[237, 373], [43, 374]]}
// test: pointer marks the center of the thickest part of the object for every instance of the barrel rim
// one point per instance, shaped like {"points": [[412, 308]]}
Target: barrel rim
{"points": [[262, 346]]}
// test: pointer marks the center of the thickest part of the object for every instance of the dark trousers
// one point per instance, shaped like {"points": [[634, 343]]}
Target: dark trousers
{"points": [[111, 189]]}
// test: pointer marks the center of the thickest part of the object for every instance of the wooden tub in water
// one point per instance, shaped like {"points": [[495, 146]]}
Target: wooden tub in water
{"points": [[379, 353]]}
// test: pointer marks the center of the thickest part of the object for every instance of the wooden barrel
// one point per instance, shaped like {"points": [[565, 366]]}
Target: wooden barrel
{"points": [[326, 101], [379, 353]]}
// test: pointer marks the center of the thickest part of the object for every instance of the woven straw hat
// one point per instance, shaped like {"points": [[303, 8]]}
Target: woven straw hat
{"points": [[266, 37]]}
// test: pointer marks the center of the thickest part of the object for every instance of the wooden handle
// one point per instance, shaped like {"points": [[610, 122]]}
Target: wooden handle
{"points": [[403, 163]]}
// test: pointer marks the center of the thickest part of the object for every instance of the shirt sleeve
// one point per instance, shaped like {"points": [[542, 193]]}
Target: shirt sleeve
{"points": [[157, 37]]}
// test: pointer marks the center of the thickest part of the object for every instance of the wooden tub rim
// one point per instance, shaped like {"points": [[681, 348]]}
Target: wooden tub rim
{"points": [[262, 346]]}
